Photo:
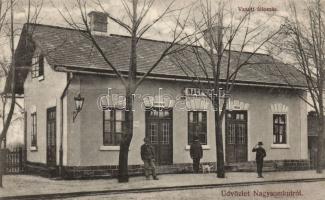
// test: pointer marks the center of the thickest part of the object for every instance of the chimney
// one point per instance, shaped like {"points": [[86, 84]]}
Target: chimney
{"points": [[98, 22]]}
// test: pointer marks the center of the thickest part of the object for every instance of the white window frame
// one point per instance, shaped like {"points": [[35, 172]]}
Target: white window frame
{"points": [[204, 146], [33, 131], [36, 66], [281, 109], [113, 147]]}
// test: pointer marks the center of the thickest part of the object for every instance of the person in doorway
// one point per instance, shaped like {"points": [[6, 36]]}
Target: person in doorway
{"points": [[196, 153], [260, 154], [148, 157]]}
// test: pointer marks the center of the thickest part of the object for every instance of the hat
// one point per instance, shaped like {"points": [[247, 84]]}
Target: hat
{"points": [[260, 143]]}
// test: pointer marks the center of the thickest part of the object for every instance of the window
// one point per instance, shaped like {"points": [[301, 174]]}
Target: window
{"points": [[113, 126], [165, 132], [154, 133], [279, 129], [38, 66], [197, 125], [34, 130]]}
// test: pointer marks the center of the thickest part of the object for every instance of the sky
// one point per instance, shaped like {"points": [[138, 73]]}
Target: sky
{"points": [[50, 14]]}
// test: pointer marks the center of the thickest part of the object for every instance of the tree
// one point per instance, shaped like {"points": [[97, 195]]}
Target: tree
{"points": [[222, 30], [5, 7], [136, 26], [5, 100], [9, 70], [303, 41], [13, 99]]}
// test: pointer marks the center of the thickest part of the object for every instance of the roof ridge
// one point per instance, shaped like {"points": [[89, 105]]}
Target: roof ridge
{"points": [[145, 39], [53, 26], [264, 54], [163, 41], [113, 35]]}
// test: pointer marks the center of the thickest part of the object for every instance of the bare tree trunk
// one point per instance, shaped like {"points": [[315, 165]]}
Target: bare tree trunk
{"points": [[219, 142], [126, 139], [130, 89], [13, 95], [4, 103], [319, 163], [321, 133], [2, 164]]}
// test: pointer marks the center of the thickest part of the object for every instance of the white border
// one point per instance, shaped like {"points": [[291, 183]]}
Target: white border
{"points": [[40, 78], [109, 148], [33, 148], [33, 110], [280, 146], [204, 147]]}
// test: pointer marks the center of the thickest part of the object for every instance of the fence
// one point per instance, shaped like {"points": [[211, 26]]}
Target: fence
{"points": [[16, 159]]}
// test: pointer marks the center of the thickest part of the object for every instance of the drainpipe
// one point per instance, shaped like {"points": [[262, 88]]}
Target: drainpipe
{"points": [[69, 77]]}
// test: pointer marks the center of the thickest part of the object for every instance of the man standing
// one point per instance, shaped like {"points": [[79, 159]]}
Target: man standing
{"points": [[196, 153], [148, 157], [260, 154]]}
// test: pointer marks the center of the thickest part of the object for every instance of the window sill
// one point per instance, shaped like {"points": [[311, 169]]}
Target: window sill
{"points": [[280, 146], [33, 148], [109, 148], [204, 147], [40, 78]]}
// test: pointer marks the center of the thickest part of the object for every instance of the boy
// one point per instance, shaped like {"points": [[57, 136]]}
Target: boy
{"points": [[196, 153], [148, 157], [260, 154]]}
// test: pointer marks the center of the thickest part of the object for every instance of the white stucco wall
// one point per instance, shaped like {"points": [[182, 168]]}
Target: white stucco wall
{"points": [[41, 94], [85, 136]]}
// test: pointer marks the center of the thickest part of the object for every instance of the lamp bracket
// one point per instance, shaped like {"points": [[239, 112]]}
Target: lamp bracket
{"points": [[75, 114]]}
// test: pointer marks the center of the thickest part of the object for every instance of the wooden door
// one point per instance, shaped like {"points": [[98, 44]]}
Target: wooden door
{"points": [[236, 136], [51, 137], [159, 131]]}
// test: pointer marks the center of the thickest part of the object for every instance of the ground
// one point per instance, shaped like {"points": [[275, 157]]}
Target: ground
{"points": [[22, 186], [309, 191]]}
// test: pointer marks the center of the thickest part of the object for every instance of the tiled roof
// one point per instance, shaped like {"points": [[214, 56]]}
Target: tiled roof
{"points": [[67, 47]]}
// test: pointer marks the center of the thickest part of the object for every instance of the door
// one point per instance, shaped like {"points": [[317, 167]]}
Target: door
{"points": [[312, 150], [51, 137], [236, 136], [159, 130]]}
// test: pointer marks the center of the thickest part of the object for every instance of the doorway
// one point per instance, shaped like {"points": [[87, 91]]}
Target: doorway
{"points": [[51, 137], [236, 136], [159, 129]]}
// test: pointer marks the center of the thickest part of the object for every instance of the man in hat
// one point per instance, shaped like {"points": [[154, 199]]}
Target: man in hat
{"points": [[260, 154], [196, 153], [148, 157]]}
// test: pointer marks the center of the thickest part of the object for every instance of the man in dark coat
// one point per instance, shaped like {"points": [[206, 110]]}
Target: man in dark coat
{"points": [[260, 154], [196, 153], [148, 157]]}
